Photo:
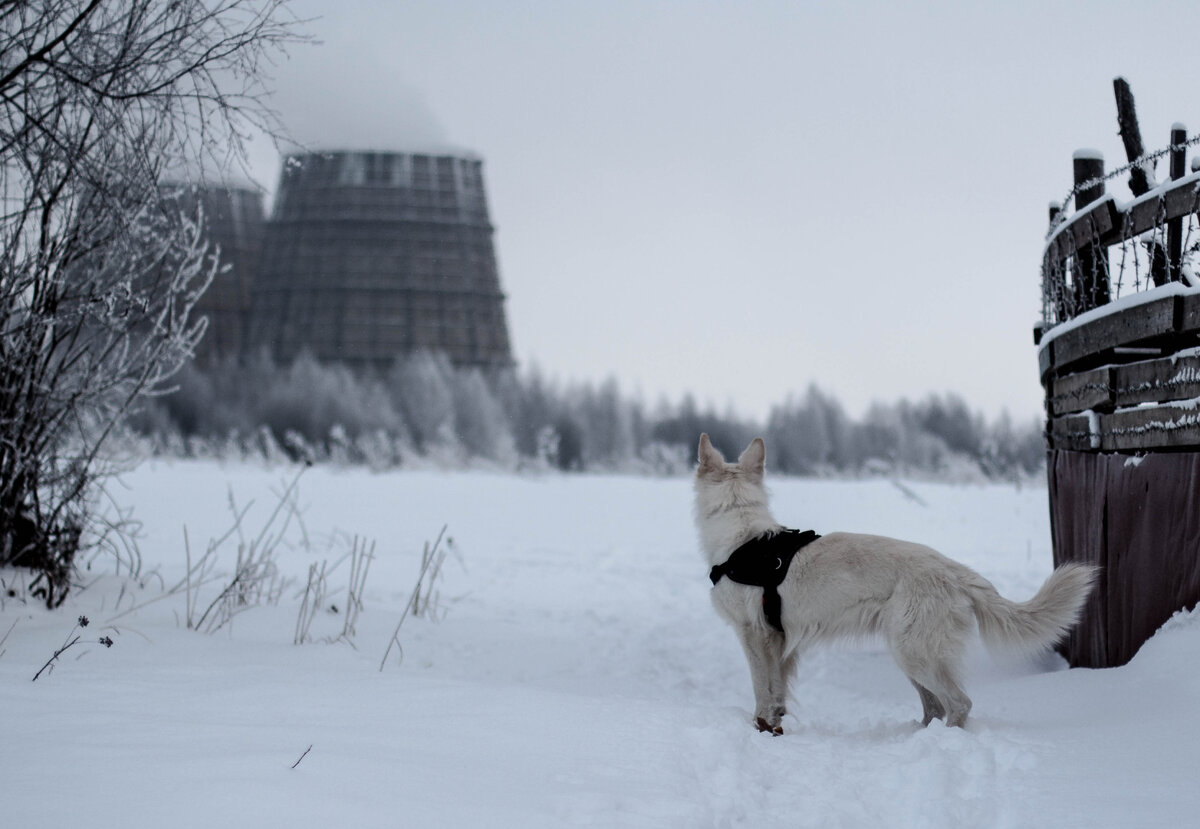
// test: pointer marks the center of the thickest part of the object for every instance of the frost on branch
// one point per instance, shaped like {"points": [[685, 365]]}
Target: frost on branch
{"points": [[101, 265]]}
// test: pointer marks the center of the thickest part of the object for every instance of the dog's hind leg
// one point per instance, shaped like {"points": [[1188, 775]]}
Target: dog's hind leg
{"points": [[951, 695], [927, 645], [933, 670], [931, 707], [940, 682]]}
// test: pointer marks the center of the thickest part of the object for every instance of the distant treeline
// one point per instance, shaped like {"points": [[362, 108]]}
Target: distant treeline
{"points": [[424, 410]]}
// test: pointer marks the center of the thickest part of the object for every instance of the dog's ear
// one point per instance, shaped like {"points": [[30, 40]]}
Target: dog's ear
{"points": [[708, 455], [755, 457]]}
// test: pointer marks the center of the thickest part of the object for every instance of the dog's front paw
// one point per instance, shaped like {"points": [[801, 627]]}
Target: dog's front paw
{"points": [[763, 725]]}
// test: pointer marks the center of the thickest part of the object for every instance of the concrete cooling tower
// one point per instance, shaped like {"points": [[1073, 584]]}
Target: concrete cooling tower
{"points": [[234, 221], [370, 255]]}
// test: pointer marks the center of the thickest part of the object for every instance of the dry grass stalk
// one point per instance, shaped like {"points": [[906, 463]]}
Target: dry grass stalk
{"points": [[419, 602]]}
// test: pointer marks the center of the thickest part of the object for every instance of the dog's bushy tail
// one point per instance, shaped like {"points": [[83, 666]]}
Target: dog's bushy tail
{"points": [[1040, 622]]}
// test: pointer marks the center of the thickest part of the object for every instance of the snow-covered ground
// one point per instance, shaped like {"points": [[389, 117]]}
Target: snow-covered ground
{"points": [[577, 676]]}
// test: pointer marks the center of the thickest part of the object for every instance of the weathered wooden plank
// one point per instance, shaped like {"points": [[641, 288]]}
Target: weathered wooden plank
{"points": [[1105, 222], [1168, 205], [1183, 198], [1126, 430], [1189, 317], [1072, 432], [1158, 381], [1142, 216], [1045, 359], [1085, 390], [1150, 427], [1100, 222], [1120, 328]]}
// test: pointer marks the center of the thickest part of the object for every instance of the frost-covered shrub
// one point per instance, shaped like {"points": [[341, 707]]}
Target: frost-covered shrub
{"points": [[810, 435], [479, 421], [420, 386], [606, 425], [312, 399], [101, 261]]}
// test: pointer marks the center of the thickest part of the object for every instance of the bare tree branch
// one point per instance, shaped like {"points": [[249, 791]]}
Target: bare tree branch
{"points": [[102, 104]]}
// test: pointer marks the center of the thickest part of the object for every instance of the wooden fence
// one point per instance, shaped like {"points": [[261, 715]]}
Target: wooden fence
{"points": [[1103, 353], [1119, 359], [1126, 381]]}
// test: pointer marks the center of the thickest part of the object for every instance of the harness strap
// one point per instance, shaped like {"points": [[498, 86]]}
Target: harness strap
{"points": [[763, 561]]}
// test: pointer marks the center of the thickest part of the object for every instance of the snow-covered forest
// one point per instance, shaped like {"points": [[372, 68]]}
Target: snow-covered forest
{"points": [[427, 411]]}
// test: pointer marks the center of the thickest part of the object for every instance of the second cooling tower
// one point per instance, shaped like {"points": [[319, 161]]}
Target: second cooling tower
{"points": [[372, 255]]}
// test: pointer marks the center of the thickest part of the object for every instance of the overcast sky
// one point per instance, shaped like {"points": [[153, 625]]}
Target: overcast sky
{"points": [[740, 199]]}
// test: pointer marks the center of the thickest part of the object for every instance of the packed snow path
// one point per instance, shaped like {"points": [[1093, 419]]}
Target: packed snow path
{"points": [[578, 676]]}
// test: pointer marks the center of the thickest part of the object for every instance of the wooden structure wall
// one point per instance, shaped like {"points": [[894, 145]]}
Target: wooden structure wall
{"points": [[1139, 519], [371, 255], [1122, 382]]}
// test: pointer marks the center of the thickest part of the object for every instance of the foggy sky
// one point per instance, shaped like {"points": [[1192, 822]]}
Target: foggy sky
{"points": [[740, 199]]}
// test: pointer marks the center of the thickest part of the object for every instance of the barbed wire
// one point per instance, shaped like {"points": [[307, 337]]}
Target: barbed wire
{"points": [[1092, 182], [1061, 278], [1064, 285]]}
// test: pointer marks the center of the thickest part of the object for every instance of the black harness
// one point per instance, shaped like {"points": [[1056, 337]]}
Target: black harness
{"points": [[763, 561]]}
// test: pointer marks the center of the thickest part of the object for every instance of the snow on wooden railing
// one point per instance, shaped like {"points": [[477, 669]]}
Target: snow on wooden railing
{"points": [[1109, 248], [1120, 332], [1104, 248]]}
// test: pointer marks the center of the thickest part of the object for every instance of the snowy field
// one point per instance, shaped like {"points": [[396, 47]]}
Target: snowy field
{"points": [[576, 675]]}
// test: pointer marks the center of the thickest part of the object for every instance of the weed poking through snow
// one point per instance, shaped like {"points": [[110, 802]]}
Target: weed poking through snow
{"points": [[360, 557], [424, 600], [81, 622], [255, 579]]}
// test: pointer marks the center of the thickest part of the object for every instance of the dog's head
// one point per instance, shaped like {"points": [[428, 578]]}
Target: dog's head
{"points": [[721, 483], [713, 467], [731, 499]]}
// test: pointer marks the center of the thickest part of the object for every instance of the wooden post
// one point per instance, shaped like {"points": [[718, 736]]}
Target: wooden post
{"points": [[1160, 273], [1131, 137], [1175, 226], [1141, 175], [1058, 290], [1091, 263]]}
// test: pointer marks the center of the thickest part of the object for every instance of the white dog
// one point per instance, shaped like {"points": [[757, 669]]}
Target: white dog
{"points": [[844, 584]]}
